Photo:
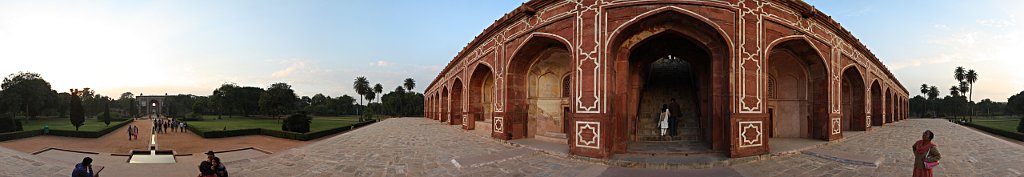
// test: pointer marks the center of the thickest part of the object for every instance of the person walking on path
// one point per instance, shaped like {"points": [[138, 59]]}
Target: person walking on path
{"points": [[926, 155], [673, 120], [664, 119], [130, 133]]}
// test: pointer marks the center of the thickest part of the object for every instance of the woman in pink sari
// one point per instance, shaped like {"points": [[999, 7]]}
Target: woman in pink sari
{"points": [[925, 151]]}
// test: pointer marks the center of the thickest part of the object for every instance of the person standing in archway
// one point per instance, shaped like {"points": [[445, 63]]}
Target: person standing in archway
{"points": [[673, 119], [663, 120]]}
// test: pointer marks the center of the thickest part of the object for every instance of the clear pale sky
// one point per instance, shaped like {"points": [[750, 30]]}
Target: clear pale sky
{"points": [[156, 47]]}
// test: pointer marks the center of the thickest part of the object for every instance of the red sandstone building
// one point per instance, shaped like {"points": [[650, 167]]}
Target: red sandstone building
{"points": [[592, 74]]}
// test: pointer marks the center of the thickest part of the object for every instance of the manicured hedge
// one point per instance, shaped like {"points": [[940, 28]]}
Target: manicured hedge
{"points": [[88, 134], [19, 134], [1004, 133], [276, 133]]}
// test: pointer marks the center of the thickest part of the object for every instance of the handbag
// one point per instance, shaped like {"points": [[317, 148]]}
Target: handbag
{"points": [[928, 156]]}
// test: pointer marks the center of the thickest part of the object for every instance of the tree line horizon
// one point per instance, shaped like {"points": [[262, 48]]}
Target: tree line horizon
{"points": [[27, 95]]}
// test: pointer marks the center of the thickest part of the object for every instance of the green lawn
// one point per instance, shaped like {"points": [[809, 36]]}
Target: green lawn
{"points": [[210, 123], [1002, 124], [91, 124]]}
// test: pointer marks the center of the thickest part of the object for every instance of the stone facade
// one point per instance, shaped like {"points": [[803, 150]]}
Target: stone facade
{"points": [[578, 70]]}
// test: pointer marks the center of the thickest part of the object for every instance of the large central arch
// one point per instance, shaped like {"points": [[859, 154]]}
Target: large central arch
{"points": [[665, 36]]}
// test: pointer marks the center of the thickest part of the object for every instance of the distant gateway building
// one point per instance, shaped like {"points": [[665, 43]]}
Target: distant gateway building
{"points": [[153, 105], [593, 74]]}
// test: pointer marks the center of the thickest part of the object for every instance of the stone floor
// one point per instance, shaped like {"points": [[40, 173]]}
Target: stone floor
{"points": [[422, 147], [964, 153]]}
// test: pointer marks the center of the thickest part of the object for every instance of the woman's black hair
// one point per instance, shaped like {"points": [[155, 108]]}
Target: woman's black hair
{"points": [[216, 159], [87, 161], [930, 134], [664, 107], [206, 168]]}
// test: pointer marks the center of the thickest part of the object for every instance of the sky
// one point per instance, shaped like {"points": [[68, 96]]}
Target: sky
{"points": [[922, 42], [192, 47]]}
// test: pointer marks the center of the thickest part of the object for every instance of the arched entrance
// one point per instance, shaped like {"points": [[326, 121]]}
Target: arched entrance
{"points": [[481, 96], [153, 108], [888, 105], [853, 101], [797, 93], [445, 104], [876, 105], [664, 56], [536, 77], [455, 116]]}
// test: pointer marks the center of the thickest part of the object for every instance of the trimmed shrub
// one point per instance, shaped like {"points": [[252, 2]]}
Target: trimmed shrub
{"points": [[297, 122], [9, 124], [276, 133], [19, 134], [1020, 125]]}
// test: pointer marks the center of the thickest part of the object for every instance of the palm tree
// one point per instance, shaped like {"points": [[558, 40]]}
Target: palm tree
{"points": [[924, 89], [378, 89], [954, 91], [971, 77], [959, 74], [933, 92], [361, 86], [409, 84]]}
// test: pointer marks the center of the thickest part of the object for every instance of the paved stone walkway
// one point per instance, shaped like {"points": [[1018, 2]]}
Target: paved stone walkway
{"points": [[964, 153], [406, 147], [422, 147], [14, 163]]}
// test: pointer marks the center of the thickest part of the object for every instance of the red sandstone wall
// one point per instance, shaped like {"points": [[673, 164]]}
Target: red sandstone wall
{"points": [[587, 27]]}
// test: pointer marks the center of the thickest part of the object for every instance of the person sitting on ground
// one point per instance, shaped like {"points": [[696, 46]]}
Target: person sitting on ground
{"points": [[206, 169], [219, 167], [84, 169]]}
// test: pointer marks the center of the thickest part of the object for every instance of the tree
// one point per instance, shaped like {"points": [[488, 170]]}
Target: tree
{"points": [[26, 91], [219, 98], [277, 100], [924, 89], [954, 91], [933, 93], [369, 97], [1015, 104], [246, 99], [971, 77], [409, 84], [959, 73], [127, 100], [986, 106], [378, 89], [77, 113], [361, 86], [106, 114], [345, 105]]}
